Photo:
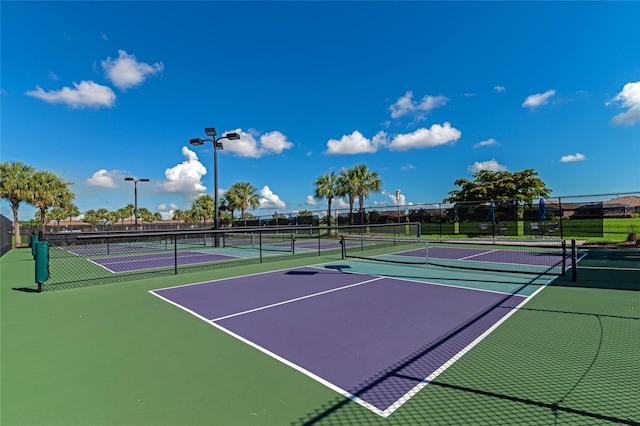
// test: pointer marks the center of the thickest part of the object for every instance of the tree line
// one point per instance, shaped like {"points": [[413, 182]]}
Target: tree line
{"points": [[50, 194]]}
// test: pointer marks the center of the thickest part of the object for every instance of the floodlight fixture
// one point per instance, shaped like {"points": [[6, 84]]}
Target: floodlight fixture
{"points": [[135, 195], [217, 144]]}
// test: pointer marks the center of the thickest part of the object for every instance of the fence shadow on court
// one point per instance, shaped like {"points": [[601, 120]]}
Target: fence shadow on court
{"points": [[545, 366]]}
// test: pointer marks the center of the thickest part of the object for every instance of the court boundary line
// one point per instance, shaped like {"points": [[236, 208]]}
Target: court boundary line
{"points": [[407, 396], [265, 351], [402, 399]]}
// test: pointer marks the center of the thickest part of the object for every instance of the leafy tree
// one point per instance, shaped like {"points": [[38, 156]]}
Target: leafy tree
{"points": [[244, 196], [326, 186], [14, 187], [203, 207], [524, 186], [48, 190]]}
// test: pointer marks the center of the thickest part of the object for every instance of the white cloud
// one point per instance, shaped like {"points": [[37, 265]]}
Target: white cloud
{"points": [[491, 165], [270, 200], [126, 72], [405, 104], [186, 176], [248, 146], [629, 98], [392, 198], [534, 101], [356, 143], [104, 178], [408, 167], [310, 201], [340, 203], [426, 138], [104, 36], [486, 142], [572, 157], [53, 76], [167, 210], [86, 94], [499, 89]]}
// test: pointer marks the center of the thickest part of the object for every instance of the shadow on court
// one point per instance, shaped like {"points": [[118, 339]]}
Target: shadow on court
{"points": [[561, 359]]}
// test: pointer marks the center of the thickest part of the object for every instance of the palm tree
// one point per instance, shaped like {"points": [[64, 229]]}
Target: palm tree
{"points": [[232, 203], [48, 190], [347, 188], [72, 211], [179, 215], [57, 214], [247, 196], [365, 182], [104, 216], [326, 187], [14, 187], [91, 217], [124, 213]]}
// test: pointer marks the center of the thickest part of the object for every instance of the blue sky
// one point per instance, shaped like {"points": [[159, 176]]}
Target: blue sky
{"points": [[422, 92]]}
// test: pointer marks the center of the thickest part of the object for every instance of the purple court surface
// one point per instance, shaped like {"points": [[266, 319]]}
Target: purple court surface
{"points": [[374, 339], [538, 258], [156, 260]]}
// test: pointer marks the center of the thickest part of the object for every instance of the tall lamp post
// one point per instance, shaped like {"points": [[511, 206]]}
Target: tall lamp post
{"points": [[135, 195], [398, 203], [211, 131]]}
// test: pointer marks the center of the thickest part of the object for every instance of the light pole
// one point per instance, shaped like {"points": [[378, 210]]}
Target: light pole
{"points": [[211, 131], [398, 203], [135, 195]]}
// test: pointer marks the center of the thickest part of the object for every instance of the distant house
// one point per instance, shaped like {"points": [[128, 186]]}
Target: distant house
{"points": [[625, 206]]}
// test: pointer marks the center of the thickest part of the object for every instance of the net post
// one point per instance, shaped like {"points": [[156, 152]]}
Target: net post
{"points": [[175, 254], [293, 243], [564, 257], [342, 248], [426, 253], [574, 261]]}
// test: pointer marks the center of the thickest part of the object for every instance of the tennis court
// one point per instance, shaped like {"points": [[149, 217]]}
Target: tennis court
{"points": [[374, 334]]}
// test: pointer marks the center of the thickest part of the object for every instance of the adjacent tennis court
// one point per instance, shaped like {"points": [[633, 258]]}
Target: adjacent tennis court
{"points": [[375, 331]]}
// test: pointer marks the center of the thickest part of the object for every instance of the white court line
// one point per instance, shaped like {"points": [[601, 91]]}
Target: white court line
{"points": [[296, 299], [456, 357], [478, 254], [400, 401], [441, 284]]}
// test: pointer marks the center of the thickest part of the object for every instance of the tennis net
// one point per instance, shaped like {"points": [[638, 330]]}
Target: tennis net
{"points": [[259, 241], [545, 257]]}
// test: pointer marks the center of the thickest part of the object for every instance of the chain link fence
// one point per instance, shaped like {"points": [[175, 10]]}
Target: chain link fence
{"points": [[612, 218]]}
